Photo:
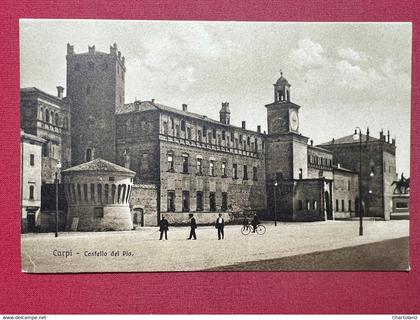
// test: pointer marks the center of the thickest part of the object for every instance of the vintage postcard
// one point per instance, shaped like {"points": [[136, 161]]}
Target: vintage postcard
{"points": [[220, 146]]}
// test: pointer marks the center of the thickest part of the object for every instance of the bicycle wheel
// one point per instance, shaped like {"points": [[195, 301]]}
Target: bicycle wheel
{"points": [[245, 230], [260, 229]]}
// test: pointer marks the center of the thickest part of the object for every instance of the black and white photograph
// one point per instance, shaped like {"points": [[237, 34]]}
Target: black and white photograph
{"points": [[214, 146]]}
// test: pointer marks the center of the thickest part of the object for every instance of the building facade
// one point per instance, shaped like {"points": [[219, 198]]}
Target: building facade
{"points": [[48, 117], [31, 180], [185, 162]]}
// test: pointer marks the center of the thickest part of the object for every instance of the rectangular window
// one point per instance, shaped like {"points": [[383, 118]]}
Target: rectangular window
{"points": [[224, 173], [300, 174], [31, 192], [185, 164], [348, 185], [199, 166], [337, 208], [182, 125], [401, 205], [300, 204], [214, 133], [200, 137], [177, 131], [224, 201], [308, 205], [189, 133], [171, 201], [170, 162], [185, 201], [32, 159], [223, 135], [199, 201], [99, 212], [165, 128], [212, 198], [235, 171], [254, 173], [245, 172], [231, 136], [314, 205], [350, 205], [211, 168], [342, 205]]}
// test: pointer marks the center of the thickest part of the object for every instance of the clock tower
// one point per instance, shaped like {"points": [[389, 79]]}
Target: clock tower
{"points": [[282, 115], [286, 156]]}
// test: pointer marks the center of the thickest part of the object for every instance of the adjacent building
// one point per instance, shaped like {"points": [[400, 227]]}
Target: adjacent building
{"points": [[30, 170]]}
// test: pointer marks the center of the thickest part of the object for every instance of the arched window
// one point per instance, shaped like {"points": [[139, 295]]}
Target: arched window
{"points": [[47, 116], [52, 117], [56, 120]]}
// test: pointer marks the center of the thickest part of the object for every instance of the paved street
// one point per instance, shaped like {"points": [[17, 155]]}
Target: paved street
{"points": [[141, 250], [378, 256]]}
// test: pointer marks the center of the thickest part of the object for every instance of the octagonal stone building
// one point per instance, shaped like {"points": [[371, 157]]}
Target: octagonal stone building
{"points": [[98, 194]]}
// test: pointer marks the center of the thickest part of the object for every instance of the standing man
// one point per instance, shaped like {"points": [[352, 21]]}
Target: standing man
{"points": [[193, 226], [220, 225], [163, 228]]}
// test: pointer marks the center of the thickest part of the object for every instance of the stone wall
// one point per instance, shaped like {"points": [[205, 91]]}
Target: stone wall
{"points": [[144, 202]]}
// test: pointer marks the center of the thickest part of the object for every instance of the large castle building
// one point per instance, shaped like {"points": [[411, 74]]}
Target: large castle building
{"points": [[185, 162]]}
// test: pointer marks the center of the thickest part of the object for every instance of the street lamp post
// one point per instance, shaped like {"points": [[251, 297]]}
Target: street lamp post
{"points": [[355, 137], [275, 202], [56, 199]]}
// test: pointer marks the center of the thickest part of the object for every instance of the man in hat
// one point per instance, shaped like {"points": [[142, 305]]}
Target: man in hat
{"points": [[220, 225], [193, 226], [163, 228]]}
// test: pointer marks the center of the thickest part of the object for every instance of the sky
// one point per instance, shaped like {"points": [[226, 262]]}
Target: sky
{"points": [[343, 75]]}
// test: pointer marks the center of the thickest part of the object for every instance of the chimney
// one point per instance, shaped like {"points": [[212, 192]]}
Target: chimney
{"points": [[153, 100], [70, 49], [312, 142], [393, 140], [259, 129], [367, 134], [243, 124], [389, 139], [91, 49], [60, 91], [113, 49], [137, 105], [381, 135], [184, 107], [333, 141]]}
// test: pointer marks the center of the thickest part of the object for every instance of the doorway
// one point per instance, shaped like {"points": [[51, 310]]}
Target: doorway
{"points": [[138, 217], [327, 200]]}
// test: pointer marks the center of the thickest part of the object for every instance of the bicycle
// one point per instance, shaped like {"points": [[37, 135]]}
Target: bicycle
{"points": [[247, 229]]}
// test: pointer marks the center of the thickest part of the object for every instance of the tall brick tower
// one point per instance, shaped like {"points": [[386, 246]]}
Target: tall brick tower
{"points": [[95, 88]]}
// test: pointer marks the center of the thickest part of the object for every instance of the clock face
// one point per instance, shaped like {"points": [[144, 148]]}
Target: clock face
{"points": [[294, 120]]}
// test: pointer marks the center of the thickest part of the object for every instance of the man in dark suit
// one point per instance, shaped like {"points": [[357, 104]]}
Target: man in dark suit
{"points": [[163, 228], [220, 225], [193, 226]]}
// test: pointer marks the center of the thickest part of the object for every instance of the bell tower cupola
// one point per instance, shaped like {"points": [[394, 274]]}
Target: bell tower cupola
{"points": [[281, 89]]}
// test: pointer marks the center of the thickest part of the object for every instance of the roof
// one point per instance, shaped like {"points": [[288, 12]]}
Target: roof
{"points": [[99, 165], [320, 149], [282, 80], [348, 139], [28, 136], [139, 106], [36, 90], [343, 169]]}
